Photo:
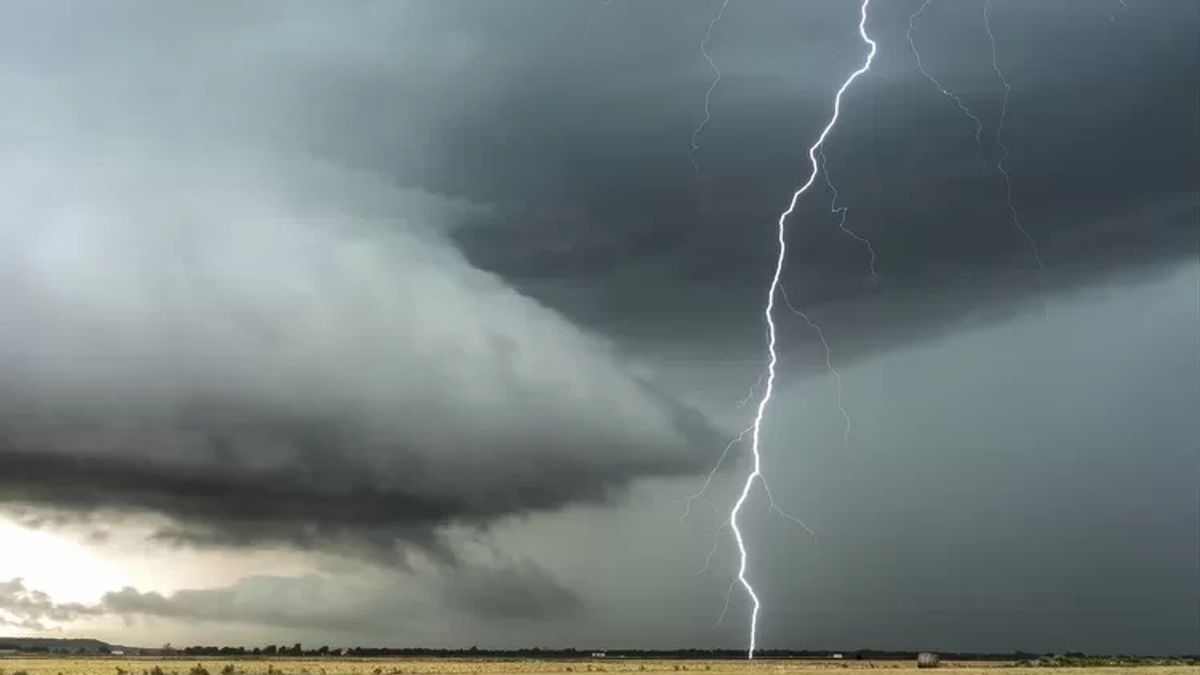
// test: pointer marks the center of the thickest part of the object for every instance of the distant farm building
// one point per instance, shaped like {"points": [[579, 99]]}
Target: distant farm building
{"points": [[838, 655], [928, 660], [599, 655]]}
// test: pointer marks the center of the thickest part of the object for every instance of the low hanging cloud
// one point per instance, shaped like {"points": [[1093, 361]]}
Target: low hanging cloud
{"points": [[205, 321], [522, 591], [516, 590], [336, 603], [31, 609], [310, 601], [269, 350]]}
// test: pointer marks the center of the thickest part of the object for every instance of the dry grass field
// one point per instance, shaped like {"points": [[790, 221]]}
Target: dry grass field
{"points": [[396, 666]]}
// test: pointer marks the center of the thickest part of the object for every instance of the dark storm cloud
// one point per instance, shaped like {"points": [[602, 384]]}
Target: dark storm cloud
{"points": [[286, 272], [580, 145], [611, 226], [331, 494], [208, 317]]}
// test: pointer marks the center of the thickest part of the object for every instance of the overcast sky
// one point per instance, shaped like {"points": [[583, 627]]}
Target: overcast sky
{"points": [[413, 323]]}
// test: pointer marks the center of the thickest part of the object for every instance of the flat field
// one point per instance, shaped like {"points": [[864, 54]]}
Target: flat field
{"points": [[449, 666]]}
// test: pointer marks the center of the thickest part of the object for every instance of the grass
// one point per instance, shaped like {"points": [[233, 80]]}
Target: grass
{"points": [[395, 666]]}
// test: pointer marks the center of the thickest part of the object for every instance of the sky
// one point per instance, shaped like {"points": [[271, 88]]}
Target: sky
{"points": [[414, 323]]}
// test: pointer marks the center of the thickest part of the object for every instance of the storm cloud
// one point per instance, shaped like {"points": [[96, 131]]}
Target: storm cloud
{"points": [[343, 603], [520, 591], [206, 352], [383, 278], [615, 230], [266, 346]]}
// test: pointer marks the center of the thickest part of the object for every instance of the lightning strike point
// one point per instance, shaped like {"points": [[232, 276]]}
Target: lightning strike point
{"points": [[768, 313]]}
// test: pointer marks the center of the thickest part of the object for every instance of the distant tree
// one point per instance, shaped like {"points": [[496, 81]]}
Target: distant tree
{"points": [[270, 650]]}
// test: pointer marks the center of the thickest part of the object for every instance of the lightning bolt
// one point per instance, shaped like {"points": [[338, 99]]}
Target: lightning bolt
{"points": [[837, 378], [912, 44], [713, 551], [741, 403], [768, 313], [699, 494], [711, 87], [999, 140], [841, 211]]}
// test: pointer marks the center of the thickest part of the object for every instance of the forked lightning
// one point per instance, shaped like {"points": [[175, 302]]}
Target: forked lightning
{"points": [[769, 314]]}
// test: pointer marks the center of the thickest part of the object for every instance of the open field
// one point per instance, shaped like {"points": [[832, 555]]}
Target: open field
{"points": [[400, 666]]}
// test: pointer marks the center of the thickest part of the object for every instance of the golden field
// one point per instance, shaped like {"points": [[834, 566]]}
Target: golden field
{"points": [[450, 666]]}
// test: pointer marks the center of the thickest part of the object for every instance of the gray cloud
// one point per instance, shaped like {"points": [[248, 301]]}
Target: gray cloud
{"points": [[339, 278], [343, 602], [264, 344], [284, 602], [31, 609], [266, 370], [624, 238], [348, 602], [518, 592]]}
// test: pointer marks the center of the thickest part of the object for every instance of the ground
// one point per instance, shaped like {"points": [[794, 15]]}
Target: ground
{"points": [[394, 666]]}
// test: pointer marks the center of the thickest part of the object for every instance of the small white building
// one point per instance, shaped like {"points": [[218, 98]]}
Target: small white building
{"points": [[837, 655], [599, 655]]}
